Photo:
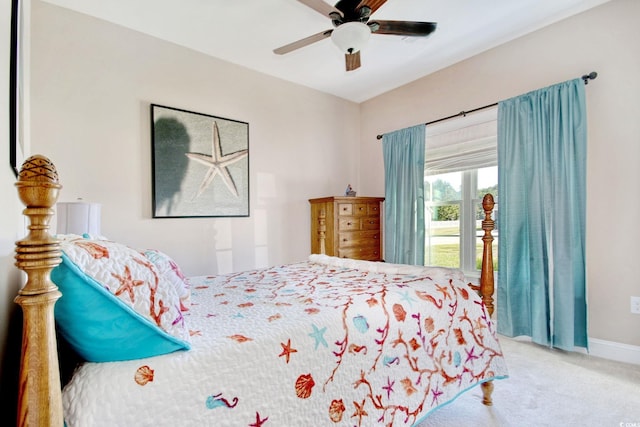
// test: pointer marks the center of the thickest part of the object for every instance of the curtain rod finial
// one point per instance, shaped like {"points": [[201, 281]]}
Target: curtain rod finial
{"points": [[592, 75]]}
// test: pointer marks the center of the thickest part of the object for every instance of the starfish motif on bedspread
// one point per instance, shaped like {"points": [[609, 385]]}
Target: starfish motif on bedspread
{"points": [[259, 422], [318, 336], [470, 355], [359, 412], [436, 394], [479, 324], [444, 290], [217, 164], [408, 298], [389, 387], [127, 283], [287, 350]]}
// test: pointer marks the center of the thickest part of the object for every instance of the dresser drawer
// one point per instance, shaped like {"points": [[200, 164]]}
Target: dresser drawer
{"points": [[370, 223], [349, 224], [358, 238], [366, 253], [345, 209], [373, 209], [360, 209]]}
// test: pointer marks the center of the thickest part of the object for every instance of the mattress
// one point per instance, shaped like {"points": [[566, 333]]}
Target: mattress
{"points": [[322, 342]]}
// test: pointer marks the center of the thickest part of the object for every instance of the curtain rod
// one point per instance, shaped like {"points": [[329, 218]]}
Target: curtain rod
{"points": [[592, 75]]}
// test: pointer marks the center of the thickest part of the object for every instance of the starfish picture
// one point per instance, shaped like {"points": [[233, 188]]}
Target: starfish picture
{"points": [[217, 164]]}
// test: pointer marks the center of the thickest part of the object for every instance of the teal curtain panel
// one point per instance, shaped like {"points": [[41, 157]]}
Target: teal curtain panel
{"points": [[542, 149], [403, 152]]}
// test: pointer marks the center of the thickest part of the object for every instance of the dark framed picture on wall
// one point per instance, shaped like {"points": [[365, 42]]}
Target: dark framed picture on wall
{"points": [[200, 164], [16, 147]]}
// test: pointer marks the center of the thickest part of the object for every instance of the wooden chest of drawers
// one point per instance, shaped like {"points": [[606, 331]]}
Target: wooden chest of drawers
{"points": [[347, 227]]}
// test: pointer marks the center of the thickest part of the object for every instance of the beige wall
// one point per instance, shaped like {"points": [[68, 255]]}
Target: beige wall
{"points": [[603, 39], [92, 83]]}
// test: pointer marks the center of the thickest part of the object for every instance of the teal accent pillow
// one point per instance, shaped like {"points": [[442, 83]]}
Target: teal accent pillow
{"points": [[115, 305]]}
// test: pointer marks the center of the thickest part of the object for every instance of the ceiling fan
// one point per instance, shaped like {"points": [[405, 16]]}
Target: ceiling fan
{"points": [[351, 19]]}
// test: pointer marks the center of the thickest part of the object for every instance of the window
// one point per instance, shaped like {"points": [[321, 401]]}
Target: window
{"points": [[460, 168]]}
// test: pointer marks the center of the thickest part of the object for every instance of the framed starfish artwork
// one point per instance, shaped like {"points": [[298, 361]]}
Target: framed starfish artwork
{"points": [[200, 164]]}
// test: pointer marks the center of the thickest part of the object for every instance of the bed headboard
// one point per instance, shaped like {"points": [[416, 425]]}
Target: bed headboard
{"points": [[39, 395]]}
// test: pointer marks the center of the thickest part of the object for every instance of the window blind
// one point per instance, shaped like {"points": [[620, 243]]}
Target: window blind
{"points": [[462, 144]]}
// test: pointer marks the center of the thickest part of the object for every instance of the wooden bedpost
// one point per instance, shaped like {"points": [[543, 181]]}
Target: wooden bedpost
{"points": [[39, 398], [486, 277]]}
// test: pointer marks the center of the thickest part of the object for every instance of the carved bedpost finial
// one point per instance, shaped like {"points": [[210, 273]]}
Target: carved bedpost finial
{"points": [[486, 278], [39, 399], [38, 189], [38, 182]]}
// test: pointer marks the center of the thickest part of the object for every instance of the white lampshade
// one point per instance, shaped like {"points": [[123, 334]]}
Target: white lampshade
{"points": [[78, 218], [350, 37]]}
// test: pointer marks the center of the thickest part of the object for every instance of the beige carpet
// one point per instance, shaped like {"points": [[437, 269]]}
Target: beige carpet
{"points": [[550, 388]]}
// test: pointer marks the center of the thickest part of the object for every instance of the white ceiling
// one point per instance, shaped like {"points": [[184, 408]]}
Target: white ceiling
{"points": [[245, 32]]}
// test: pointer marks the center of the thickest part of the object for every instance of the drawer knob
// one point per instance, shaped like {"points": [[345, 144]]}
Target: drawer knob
{"points": [[348, 223]]}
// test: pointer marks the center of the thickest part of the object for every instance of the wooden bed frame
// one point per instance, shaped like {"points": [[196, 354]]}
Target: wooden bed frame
{"points": [[40, 397]]}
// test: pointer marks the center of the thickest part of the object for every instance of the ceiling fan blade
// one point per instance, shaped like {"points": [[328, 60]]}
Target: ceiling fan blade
{"points": [[302, 42], [320, 7], [403, 28], [352, 60], [373, 4]]}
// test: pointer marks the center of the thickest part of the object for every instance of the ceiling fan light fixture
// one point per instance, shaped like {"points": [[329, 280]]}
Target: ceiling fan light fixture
{"points": [[350, 37]]}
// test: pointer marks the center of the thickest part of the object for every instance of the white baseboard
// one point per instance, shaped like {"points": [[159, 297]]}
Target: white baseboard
{"points": [[605, 349], [614, 351]]}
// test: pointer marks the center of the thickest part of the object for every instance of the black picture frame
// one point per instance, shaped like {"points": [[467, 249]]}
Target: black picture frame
{"points": [[15, 114], [200, 164]]}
